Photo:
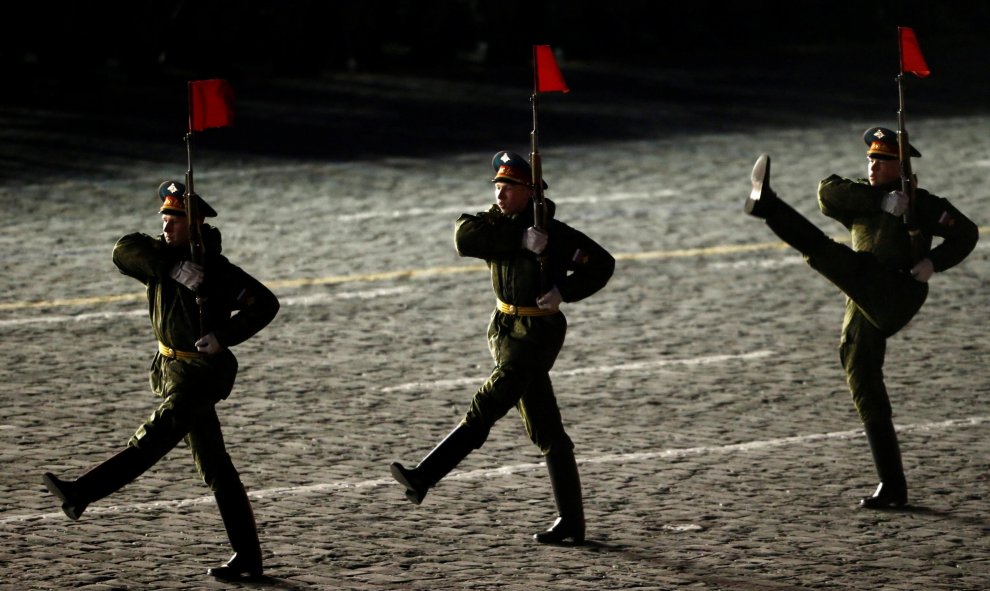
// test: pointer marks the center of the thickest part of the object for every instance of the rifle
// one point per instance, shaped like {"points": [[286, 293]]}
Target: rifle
{"points": [[196, 246], [919, 246], [546, 78], [539, 199]]}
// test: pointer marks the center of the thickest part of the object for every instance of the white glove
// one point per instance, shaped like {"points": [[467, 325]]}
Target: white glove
{"points": [[188, 274], [895, 203], [923, 270], [209, 344], [534, 239], [550, 300]]}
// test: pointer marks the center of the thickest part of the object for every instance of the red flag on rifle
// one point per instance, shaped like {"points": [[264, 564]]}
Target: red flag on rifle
{"points": [[211, 104], [911, 59], [548, 76]]}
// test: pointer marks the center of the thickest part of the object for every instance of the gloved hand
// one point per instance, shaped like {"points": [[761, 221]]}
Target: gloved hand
{"points": [[895, 203], [923, 270], [534, 239], [550, 300], [188, 274], [209, 344]]}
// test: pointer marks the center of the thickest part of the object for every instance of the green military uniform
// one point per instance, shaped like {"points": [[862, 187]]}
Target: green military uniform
{"points": [[189, 382], [875, 274], [524, 347], [524, 339], [191, 385], [882, 295]]}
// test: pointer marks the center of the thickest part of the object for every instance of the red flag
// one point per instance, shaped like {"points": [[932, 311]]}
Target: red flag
{"points": [[548, 76], [911, 58], [211, 104]]}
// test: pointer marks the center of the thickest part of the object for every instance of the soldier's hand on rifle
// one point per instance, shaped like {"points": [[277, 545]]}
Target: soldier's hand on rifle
{"points": [[209, 344], [895, 203], [534, 239], [923, 270], [550, 300], [188, 274]]}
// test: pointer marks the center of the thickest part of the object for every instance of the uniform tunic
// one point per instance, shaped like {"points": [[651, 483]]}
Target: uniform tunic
{"points": [[882, 296], [524, 348], [237, 307]]}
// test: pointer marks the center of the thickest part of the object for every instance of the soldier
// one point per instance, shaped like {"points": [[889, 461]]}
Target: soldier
{"points": [[192, 371], [525, 335], [885, 288]]}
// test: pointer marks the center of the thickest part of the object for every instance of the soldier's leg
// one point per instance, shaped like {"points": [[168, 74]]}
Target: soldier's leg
{"points": [[862, 351], [439, 462], [541, 416], [887, 297], [99, 481], [492, 401], [788, 224], [214, 465], [155, 438]]}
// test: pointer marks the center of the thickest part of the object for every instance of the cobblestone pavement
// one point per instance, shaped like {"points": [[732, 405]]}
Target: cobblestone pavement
{"points": [[717, 443]]}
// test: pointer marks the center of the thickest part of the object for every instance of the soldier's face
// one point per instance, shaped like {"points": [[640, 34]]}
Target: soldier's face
{"points": [[882, 172], [175, 229], [512, 198]]}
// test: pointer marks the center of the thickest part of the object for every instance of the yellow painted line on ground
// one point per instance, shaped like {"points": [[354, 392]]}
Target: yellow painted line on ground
{"points": [[418, 273]]}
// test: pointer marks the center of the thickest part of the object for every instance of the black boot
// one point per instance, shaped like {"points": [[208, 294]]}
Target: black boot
{"points": [[762, 199], [566, 486], [437, 464], [242, 531], [100, 481], [887, 458], [792, 227]]}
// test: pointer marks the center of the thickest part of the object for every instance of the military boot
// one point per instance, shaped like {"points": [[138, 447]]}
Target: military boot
{"points": [[100, 481], [242, 531], [437, 464], [785, 221], [566, 484], [892, 490]]}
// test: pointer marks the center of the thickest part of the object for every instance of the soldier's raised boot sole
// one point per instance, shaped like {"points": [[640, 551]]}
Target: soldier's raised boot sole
{"points": [[759, 201]]}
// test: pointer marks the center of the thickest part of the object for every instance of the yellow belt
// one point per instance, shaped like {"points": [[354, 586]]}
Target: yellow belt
{"points": [[522, 310], [173, 354]]}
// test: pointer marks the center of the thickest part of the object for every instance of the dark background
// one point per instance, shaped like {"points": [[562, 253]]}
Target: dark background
{"points": [[375, 78]]}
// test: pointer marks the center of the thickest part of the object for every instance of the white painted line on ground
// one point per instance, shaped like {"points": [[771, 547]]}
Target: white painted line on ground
{"points": [[641, 365], [488, 473]]}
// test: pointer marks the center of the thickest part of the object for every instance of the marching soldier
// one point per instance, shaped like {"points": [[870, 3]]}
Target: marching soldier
{"points": [[525, 335], [191, 372], [884, 285]]}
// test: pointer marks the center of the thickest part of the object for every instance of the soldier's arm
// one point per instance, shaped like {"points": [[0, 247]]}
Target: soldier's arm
{"points": [[940, 218], [589, 265], [142, 257], [486, 235], [843, 199], [254, 304]]}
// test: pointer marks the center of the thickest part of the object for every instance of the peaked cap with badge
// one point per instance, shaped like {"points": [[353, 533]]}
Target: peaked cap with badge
{"points": [[881, 144], [510, 167], [171, 193]]}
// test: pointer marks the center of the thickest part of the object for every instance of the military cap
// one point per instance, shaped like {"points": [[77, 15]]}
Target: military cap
{"points": [[171, 192], [881, 144], [510, 167]]}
